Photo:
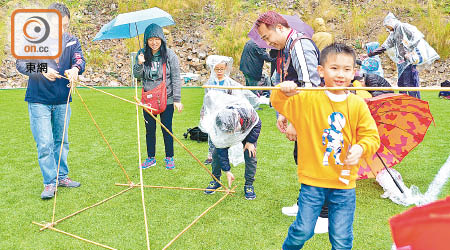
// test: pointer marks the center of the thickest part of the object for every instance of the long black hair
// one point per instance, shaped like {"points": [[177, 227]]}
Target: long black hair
{"points": [[148, 53]]}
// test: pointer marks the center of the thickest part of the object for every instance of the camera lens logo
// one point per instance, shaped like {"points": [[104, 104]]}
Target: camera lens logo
{"points": [[36, 29], [36, 34]]}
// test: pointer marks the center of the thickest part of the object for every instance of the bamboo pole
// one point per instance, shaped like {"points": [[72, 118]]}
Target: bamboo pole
{"points": [[332, 88], [103, 136], [76, 237], [118, 97], [184, 147], [84, 209], [177, 188], [60, 151], [197, 219], [140, 171]]}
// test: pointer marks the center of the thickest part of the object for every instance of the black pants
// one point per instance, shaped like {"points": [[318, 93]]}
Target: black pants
{"points": [[150, 127], [324, 211], [220, 156]]}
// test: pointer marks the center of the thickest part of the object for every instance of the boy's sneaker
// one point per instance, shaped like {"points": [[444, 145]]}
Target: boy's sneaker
{"points": [[49, 191], [149, 162], [67, 182], [249, 192], [170, 164], [290, 211], [213, 185]]}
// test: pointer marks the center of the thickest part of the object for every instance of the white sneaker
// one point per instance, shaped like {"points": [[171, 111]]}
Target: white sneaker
{"points": [[290, 211], [321, 225]]}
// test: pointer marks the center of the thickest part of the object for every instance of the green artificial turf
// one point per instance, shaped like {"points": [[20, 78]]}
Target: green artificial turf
{"points": [[233, 224]]}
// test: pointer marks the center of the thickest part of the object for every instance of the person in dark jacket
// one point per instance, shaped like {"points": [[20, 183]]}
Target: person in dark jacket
{"points": [[46, 95], [252, 62], [233, 120], [149, 66], [374, 80]]}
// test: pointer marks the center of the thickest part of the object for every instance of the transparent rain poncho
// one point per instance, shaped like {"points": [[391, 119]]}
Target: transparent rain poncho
{"points": [[403, 42], [228, 118], [412, 195], [211, 62]]}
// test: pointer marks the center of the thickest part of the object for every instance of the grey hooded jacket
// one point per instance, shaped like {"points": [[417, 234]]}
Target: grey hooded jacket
{"points": [[173, 80]]}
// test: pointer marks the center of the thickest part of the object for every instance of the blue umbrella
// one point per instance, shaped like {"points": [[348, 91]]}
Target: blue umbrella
{"points": [[128, 25]]}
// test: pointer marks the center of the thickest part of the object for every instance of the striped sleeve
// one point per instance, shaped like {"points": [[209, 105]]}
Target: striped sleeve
{"points": [[305, 61]]}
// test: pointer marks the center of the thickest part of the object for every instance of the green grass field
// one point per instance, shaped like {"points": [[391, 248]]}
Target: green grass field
{"points": [[234, 224]]}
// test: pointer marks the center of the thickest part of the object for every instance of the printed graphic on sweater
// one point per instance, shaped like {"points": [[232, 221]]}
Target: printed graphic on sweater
{"points": [[335, 138]]}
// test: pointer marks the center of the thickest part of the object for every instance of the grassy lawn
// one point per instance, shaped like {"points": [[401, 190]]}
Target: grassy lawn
{"points": [[234, 224]]}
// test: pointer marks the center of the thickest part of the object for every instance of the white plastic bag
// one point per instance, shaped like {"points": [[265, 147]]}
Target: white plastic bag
{"points": [[423, 53], [236, 154]]}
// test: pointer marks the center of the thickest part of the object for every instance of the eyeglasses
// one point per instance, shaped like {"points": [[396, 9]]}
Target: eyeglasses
{"points": [[219, 69]]}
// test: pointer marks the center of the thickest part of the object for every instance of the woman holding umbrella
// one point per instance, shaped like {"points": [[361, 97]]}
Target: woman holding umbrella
{"points": [[152, 62]]}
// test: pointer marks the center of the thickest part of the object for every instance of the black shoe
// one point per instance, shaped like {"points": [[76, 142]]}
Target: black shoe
{"points": [[249, 192], [211, 189]]}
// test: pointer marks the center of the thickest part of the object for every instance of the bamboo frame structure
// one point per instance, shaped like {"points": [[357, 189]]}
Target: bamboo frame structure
{"points": [[130, 184], [178, 188]]}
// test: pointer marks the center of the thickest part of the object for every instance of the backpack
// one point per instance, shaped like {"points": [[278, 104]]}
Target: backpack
{"points": [[156, 98], [196, 134], [445, 94]]}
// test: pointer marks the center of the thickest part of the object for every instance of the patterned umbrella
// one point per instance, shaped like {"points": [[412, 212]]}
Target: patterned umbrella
{"points": [[402, 122], [425, 227]]}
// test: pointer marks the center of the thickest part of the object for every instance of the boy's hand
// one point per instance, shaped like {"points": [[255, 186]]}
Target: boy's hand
{"points": [[230, 178], [354, 154], [251, 149], [282, 123], [289, 88], [291, 133]]}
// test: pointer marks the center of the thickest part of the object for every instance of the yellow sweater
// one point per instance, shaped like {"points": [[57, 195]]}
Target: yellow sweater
{"points": [[318, 121]]}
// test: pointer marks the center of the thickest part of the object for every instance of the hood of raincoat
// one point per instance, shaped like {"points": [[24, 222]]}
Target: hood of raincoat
{"points": [[391, 21], [154, 30], [370, 47], [213, 60]]}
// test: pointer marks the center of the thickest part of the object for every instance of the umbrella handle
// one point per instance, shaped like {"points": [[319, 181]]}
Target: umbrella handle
{"points": [[395, 181]]}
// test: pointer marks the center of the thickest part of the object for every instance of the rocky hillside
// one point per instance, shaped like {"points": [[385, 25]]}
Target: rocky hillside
{"points": [[188, 39]]}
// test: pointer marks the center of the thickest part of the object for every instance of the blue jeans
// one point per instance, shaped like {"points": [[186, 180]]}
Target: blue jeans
{"points": [[341, 208], [47, 124]]}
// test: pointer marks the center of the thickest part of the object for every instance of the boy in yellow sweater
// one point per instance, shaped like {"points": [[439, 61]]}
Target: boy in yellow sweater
{"points": [[336, 130]]}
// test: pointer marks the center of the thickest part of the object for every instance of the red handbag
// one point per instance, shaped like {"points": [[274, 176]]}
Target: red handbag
{"points": [[156, 98]]}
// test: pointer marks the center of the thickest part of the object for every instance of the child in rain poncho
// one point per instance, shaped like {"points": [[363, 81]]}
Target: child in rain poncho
{"points": [[402, 44], [372, 65], [232, 123], [220, 67]]}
